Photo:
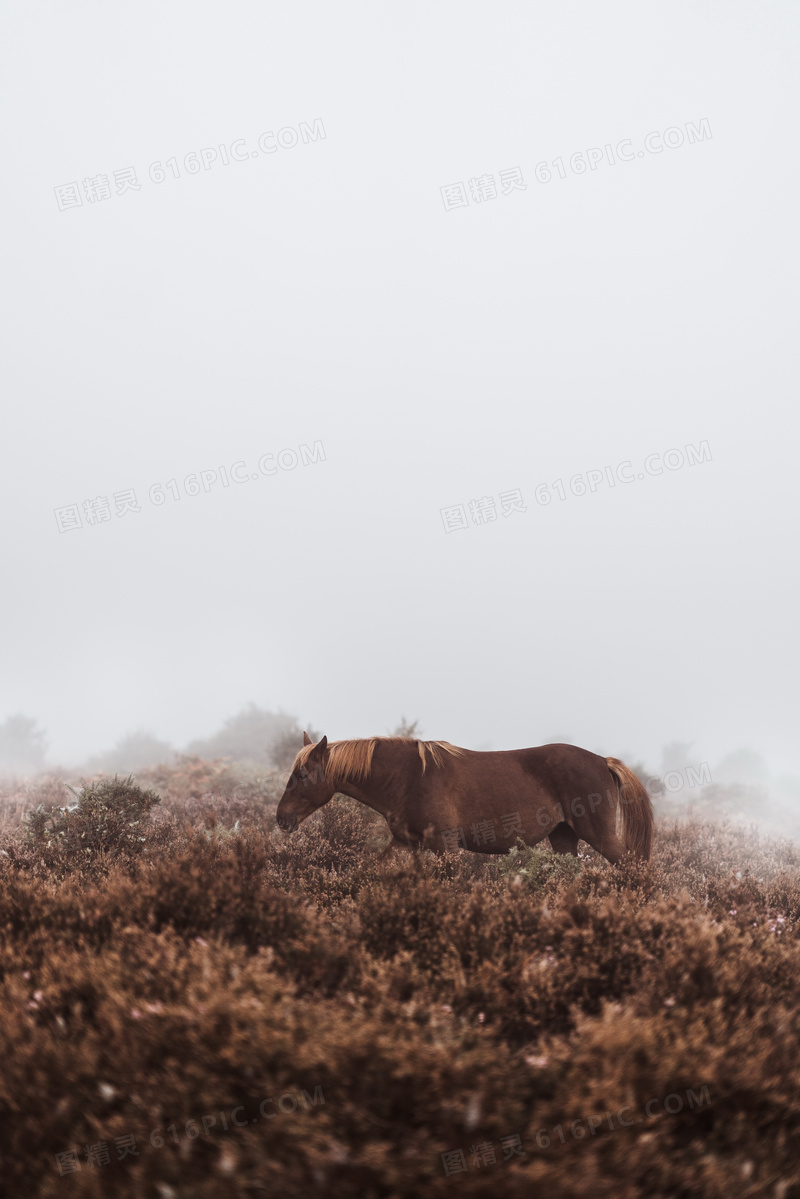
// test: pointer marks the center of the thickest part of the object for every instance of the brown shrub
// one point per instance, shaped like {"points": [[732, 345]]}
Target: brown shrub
{"points": [[423, 1004]]}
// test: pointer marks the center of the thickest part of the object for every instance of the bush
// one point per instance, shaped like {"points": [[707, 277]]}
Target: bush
{"points": [[536, 866], [440, 1004], [109, 821]]}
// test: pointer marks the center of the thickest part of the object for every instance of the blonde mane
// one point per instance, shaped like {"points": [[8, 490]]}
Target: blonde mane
{"points": [[353, 759]]}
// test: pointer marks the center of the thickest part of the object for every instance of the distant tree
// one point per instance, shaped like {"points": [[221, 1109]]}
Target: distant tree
{"points": [[287, 745], [22, 745], [135, 751], [639, 769], [741, 766], [249, 736], [675, 756], [407, 728]]}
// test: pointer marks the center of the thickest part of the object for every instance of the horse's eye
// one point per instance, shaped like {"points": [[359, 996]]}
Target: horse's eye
{"points": [[302, 775]]}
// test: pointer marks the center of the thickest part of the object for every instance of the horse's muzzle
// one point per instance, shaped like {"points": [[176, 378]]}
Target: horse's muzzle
{"points": [[287, 823]]}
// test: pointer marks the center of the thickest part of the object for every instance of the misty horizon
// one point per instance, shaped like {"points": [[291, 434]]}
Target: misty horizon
{"points": [[458, 382], [144, 749]]}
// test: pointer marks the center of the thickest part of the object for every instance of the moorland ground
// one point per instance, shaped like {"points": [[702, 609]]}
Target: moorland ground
{"points": [[194, 1004]]}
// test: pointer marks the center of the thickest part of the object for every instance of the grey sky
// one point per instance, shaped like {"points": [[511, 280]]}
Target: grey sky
{"points": [[324, 292]]}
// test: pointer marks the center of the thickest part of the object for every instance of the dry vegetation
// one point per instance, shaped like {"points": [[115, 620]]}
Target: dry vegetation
{"points": [[346, 1020]]}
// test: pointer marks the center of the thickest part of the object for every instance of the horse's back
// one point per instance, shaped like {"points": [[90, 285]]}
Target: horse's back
{"points": [[565, 767], [538, 759], [556, 770]]}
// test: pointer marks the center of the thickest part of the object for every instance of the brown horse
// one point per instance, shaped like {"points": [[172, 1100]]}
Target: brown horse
{"points": [[435, 794]]}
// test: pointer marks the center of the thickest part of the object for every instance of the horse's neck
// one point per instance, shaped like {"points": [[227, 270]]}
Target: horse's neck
{"points": [[380, 791]]}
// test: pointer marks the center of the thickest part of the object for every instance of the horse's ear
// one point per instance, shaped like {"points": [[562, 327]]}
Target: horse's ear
{"points": [[320, 747], [307, 740]]}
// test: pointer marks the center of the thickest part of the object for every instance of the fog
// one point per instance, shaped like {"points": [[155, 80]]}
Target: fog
{"points": [[465, 390]]}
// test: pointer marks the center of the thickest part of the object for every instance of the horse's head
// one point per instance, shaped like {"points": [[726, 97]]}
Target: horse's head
{"points": [[307, 788]]}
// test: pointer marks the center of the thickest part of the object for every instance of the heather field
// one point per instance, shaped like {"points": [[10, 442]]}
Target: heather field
{"points": [[196, 1005]]}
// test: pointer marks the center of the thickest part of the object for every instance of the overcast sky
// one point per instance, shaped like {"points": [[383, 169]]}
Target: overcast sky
{"points": [[369, 250]]}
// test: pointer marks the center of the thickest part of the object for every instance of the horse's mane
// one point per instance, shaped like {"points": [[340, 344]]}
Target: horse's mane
{"points": [[353, 759]]}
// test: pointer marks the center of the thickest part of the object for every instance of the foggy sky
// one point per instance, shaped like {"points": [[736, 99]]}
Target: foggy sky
{"points": [[324, 293]]}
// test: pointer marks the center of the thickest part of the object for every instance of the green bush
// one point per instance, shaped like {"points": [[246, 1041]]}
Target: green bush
{"points": [[537, 865], [109, 821]]}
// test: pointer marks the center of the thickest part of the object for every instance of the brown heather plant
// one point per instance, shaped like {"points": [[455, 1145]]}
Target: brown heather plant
{"points": [[423, 1004]]}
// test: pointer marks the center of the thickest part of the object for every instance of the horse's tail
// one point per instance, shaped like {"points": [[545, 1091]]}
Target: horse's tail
{"points": [[635, 809]]}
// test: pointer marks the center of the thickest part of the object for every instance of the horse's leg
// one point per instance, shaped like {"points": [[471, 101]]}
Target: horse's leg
{"points": [[402, 837], [608, 844], [564, 839]]}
